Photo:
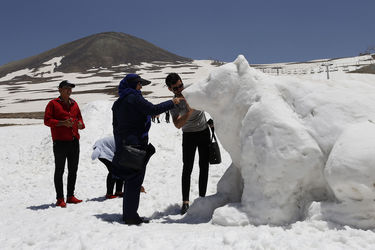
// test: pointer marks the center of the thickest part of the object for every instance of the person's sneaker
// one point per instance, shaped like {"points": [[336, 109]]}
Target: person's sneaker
{"points": [[110, 196], [184, 208], [60, 202], [136, 221], [73, 200], [119, 194]]}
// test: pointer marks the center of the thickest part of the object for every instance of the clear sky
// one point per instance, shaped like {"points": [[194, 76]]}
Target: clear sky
{"points": [[264, 31]]}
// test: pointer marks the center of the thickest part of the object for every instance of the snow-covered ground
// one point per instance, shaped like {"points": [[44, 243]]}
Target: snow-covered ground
{"points": [[33, 97], [29, 219], [317, 68]]}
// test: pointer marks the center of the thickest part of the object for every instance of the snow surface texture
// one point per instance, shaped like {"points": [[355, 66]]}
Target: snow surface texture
{"points": [[292, 142], [36, 95], [30, 220]]}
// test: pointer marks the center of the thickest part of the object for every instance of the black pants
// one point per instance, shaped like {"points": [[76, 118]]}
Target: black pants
{"points": [[131, 196], [190, 142], [65, 150], [110, 180], [133, 183]]}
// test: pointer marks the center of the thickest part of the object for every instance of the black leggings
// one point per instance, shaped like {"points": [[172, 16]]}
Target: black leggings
{"points": [[190, 142], [65, 150], [110, 180]]}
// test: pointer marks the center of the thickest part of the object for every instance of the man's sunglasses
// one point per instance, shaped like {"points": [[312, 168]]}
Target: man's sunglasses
{"points": [[178, 87]]}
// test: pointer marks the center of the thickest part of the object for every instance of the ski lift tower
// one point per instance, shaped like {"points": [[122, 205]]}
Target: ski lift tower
{"points": [[277, 69], [327, 64]]}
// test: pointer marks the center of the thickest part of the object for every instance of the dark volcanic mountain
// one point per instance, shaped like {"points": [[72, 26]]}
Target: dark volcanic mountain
{"points": [[370, 69], [99, 50]]}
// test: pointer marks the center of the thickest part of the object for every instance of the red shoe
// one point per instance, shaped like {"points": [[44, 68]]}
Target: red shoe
{"points": [[73, 199], [110, 196], [60, 202], [120, 194]]}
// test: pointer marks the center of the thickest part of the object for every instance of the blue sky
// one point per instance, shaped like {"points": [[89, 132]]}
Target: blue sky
{"points": [[264, 31]]}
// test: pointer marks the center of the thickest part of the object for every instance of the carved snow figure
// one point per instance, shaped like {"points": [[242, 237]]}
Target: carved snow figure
{"points": [[292, 142]]}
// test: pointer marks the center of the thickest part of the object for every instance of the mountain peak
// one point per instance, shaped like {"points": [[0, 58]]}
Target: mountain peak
{"points": [[99, 50]]}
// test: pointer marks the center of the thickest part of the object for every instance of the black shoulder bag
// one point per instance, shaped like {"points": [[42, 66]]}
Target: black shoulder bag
{"points": [[214, 150], [134, 157]]}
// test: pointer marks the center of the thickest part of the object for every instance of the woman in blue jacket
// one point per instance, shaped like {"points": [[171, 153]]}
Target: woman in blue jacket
{"points": [[131, 123]]}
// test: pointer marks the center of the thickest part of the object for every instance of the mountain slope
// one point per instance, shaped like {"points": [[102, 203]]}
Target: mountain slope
{"points": [[99, 50]]}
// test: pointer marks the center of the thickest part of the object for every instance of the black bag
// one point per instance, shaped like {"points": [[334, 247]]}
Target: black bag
{"points": [[214, 150], [132, 158]]}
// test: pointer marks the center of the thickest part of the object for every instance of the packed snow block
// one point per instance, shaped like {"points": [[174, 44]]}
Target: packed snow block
{"points": [[280, 132], [229, 189], [230, 215], [350, 169]]}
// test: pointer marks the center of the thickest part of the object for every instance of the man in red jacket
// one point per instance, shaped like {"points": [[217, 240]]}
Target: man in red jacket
{"points": [[64, 118]]}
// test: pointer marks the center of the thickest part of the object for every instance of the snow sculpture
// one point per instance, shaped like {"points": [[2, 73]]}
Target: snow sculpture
{"points": [[280, 132]]}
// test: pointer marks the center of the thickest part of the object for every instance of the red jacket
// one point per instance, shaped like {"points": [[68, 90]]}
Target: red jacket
{"points": [[56, 111]]}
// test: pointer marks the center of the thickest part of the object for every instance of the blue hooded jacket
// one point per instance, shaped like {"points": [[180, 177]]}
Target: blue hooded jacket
{"points": [[132, 115]]}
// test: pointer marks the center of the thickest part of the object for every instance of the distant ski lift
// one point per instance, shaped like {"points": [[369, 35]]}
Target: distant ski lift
{"points": [[277, 69], [327, 65]]}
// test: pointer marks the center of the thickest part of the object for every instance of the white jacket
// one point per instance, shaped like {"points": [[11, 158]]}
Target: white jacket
{"points": [[104, 148]]}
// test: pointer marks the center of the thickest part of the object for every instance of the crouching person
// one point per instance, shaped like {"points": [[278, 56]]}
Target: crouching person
{"points": [[104, 149]]}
